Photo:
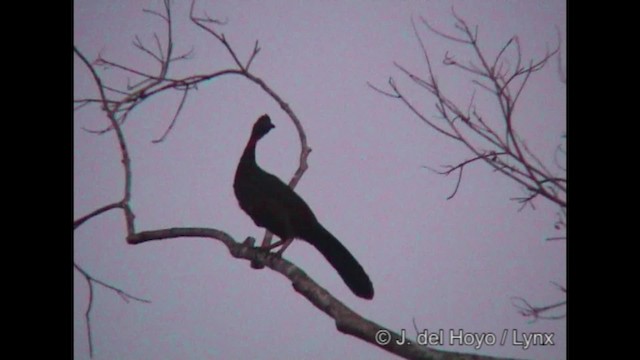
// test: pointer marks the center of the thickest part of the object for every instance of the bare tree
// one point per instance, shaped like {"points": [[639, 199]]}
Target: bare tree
{"points": [[494, 142], [118, 103]]}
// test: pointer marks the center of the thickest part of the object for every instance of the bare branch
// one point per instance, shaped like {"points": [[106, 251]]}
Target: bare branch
{"points": [[457, 185], [87, 315], [138, 44], [185, 56], [95, 77], [528, 170], [442, 34], [97, 212], [528, 71], [562, 73], [159, 46], [554, 238], [559, 149], [153, 12], [416, 111], [415, 326], [256, 50], [449, 60], [491, 155], [526, 200], [175, 117], [126, 162], [165, 66], [560, 287], [507, 153], [528, 310], [347, 321], [103, 62], [396, 96], [504, 48], [119, 92], [84, 102], [119, 291], [200, 22]]}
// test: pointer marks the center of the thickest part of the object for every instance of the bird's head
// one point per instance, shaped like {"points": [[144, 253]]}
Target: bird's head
{"points": [[262, 127]]}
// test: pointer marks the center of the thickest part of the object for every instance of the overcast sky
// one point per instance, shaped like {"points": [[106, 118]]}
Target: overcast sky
{"points": [[450, 264]]}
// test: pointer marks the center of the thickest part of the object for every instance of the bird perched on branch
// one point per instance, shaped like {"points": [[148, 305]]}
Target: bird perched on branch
{"points": [[273, 205]]}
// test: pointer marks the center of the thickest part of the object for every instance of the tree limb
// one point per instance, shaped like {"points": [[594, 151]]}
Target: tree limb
{"points": [[346, 320]]}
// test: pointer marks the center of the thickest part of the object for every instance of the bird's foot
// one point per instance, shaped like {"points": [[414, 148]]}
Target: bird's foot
{"points": [[262, 249], [249, 241], [259, 264]]}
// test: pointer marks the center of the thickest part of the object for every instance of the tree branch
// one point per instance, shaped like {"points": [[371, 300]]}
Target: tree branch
{"points": [[87, 315], [492, 155], [95, 213], [126, 161], [527, 170], [535, 312], [500, 147], [346, 320]]}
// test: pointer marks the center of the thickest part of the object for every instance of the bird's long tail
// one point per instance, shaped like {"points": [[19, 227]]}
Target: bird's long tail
{"points": [[341, 259]]}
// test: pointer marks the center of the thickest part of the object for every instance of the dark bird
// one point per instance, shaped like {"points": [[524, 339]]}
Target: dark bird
{"points": [[273, 205]]}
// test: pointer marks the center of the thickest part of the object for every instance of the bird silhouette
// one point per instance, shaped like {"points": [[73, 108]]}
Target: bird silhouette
{"points": [[273, 205]]}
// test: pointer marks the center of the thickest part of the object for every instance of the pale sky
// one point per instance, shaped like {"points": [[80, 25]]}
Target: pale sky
{"points": [[450, 264]]}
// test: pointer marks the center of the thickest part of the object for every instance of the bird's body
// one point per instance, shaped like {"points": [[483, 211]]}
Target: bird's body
{"points": [[275, 206]]}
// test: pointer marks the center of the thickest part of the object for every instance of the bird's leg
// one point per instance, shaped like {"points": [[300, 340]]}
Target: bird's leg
{"points": [[272, 246], [284, 243], [267, 249]]}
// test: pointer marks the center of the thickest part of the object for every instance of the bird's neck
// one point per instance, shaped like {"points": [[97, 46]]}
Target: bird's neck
{"points": [[249, 154]]}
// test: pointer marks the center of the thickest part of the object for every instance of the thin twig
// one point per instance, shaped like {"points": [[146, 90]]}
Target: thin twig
{"points": [[126, 162], [87, 315], [528, 310], [175, 117], [97, 212]]}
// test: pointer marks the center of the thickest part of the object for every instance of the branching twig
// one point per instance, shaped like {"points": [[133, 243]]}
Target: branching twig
{"points": [[175, 117], [527, 170], [126, 162], [561, 72], [528, 310], [95, 213], [492, 155], [87, 315], [500, 147]]}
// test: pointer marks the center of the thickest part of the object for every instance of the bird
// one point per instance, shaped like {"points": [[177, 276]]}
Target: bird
{"points": [[273, 205]]}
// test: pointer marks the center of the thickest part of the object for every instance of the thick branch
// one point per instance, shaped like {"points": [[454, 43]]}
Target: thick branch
{"points": [[347, 321]]}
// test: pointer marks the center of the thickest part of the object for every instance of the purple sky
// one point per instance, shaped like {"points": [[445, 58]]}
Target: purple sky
{"points": [[450, 264]]}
